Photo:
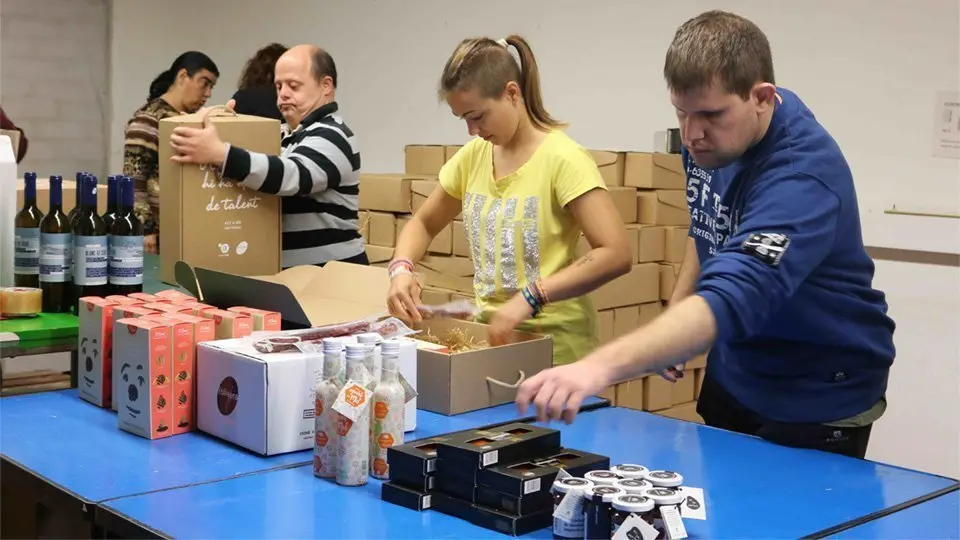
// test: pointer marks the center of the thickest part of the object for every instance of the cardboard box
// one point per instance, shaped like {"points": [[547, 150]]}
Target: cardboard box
{"points": [[685, 389], [654, 171], [423, 159], [449, 151], [383, 229], [611, 165], [668, 279], [649, 312], [641, 285], [605, 324], [146, 298], [675, 243], [69, 194], [625, 199], [698, 378], [165, 307], [510, 443], [458, 483], [513, 504], [650, 243], [262, 320], [212, 222], [95, 350], [175, 296], [183, 345], [433, 297], [610, 394], [379, 256], [657, 393], [492, 519], [405, 497], [697, 362], [229, 324], [662, 207], [630, 394], [121, 311], [420, 190], [454, 383], [203, 329], [305, 296], [442, 243], [143, 358], [124, 300], [452, 273], [625, 320], [686, 411], [386, 192], [537, 475], [414, 464], [363, 223]]}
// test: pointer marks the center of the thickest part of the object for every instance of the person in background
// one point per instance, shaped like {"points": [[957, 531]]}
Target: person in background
{"points": [[256, 92], [183, 88], [317, 172], [776, 282], [7, 124], [526, 191]]}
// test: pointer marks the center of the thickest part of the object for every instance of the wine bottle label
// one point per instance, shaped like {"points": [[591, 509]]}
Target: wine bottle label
{"points": [[353, 428], [388, 418], [26, 251], [126, 260], [90, 260], [55, 257]]}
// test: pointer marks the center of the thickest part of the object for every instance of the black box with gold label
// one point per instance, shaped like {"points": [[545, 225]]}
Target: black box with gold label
{"points": [[513, 504], [405, 497], [537, 475], [494, 520], [509, 443], [413, 464]]}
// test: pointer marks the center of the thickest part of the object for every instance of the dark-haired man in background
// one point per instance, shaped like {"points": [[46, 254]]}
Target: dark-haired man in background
{"points": [[776, 282], [317, 172]]}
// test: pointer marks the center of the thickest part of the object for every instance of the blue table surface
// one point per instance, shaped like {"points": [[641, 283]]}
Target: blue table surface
{"points": [[78, 447], [937, 518], [752, 489]]}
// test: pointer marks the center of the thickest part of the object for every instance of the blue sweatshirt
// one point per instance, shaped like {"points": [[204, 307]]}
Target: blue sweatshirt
{"points": [[802, 336]]}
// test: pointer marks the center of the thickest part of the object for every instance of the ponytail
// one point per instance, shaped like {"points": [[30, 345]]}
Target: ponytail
{"points": [[161, 84], [530, 84], [487, 66]]}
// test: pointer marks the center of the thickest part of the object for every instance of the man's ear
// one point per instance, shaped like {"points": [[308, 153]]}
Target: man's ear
{"points": [[764, 94]]}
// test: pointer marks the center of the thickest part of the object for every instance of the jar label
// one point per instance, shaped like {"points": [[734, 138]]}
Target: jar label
{"points": [[126, 260], [694, 505], [56, 256], [26, 251], [633, 528], [90, 260], [568, 516]]}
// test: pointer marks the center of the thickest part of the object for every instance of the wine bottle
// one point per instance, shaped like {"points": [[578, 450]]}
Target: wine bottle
{"points": [[56, 243], [72, 298], [126, 244], [353, 454], [326, 441], [388, 410], [90, 246], [113, 203], [26, 237]]}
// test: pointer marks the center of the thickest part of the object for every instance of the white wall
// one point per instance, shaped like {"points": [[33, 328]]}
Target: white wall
{"points": [[54, 82]]}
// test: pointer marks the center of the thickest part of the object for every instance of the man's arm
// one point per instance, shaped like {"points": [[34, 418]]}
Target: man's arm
{"points": [[323, 158], [788, 229]]}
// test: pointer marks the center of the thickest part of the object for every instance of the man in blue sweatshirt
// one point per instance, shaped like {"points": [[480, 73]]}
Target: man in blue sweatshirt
{"points": [[776, 282]]}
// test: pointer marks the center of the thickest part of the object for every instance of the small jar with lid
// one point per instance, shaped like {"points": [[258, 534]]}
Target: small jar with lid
{"points": [[596, 511], [663, 497], [602, 478], [633, 486], [624, 506], [629, 470], [667, 479], [562, 487]]}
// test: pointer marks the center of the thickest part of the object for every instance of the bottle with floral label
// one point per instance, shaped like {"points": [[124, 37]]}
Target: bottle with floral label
{"points": [[353, 421], [325, 441], [388, 407]]}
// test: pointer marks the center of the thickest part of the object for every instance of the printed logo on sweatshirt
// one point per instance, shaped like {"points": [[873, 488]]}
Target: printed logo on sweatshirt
{"points": [[767, 247], [709, 219]]}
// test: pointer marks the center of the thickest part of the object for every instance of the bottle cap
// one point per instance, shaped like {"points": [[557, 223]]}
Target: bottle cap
{"points": [[332, 346], [632, 503], [356, 350], [30, 176], [566, 485], [369, 337], [634, 486], [664, 496], [603, 493], [629, 470], [390, 346], [606, 478], [664, 478]]}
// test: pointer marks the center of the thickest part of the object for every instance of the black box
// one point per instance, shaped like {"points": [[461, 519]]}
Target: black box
{"points": [[492, 519], [512, 504], [459, 483], [510, 443], [537, 475], [414, 463], [405, 497]]}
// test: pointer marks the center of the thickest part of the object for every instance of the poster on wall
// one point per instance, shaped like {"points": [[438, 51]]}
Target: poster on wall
{"points": [[946, 125]]}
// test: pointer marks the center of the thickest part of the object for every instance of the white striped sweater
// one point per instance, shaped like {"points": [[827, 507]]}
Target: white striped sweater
{"points": [[318, 175]]}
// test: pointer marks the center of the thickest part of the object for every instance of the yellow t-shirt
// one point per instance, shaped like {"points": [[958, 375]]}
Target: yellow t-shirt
{"points": [[518, 229]]}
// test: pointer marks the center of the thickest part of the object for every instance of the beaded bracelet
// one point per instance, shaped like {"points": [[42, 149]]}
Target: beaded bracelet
{"points": [[531, 300], [407, 263]]}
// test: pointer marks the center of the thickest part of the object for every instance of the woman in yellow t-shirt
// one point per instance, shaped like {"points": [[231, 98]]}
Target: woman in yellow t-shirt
{"points": [[526, 191]]}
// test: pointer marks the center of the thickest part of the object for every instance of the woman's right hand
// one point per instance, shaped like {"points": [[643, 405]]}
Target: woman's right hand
{"points": [[403, 297]]}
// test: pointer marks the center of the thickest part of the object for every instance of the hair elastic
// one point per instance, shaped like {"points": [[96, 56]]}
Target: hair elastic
{"points": [[503, 43]]}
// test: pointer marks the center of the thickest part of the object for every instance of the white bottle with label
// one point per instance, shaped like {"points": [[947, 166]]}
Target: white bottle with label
{"points": [[326, 441], [388, 407], [373, 364], [353, 458]]}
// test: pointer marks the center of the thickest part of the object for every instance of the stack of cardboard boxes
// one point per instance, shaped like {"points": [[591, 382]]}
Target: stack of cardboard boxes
{"points": [[649, 191]]}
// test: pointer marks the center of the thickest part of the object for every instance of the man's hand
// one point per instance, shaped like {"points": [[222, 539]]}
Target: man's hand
{"points": [[559, 392], [200, 146]]}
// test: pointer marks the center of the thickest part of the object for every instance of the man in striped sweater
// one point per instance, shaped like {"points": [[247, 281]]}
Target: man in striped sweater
{"points": [[317, 172]]}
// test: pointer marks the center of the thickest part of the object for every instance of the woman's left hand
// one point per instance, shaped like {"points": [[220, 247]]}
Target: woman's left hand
{"points": [[507, 318]]}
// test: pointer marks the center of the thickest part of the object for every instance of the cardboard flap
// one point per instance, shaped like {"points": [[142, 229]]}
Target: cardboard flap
{"points": [[219, 117], [671, 197], [670, 162], [378, 254], [454, 266], [605, 158], [228, 290]]}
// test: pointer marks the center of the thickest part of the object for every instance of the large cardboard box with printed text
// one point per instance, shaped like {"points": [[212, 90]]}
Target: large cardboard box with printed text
{"points": [[212, 222]]}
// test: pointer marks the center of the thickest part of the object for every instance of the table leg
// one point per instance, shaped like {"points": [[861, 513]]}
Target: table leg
{"points": [[74, 367]]}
